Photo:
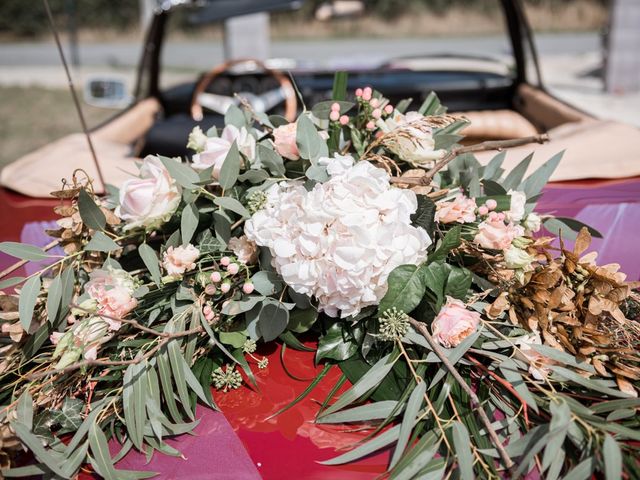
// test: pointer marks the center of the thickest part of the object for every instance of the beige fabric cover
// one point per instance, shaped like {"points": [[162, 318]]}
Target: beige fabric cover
{"points": [[593, 149], [497, 125], [545, 111], [40, 172]]}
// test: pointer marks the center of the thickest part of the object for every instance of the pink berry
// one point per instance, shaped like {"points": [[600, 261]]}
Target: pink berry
{"points": [[377, 113], [375, 103], [491, 204], [367, 93], [224, 261], [371, 125], [335, 106], [233, 268], [209, 317], [358, 92], [344, 120], [334, 116], [210, 289], [483, 210], [388, 109], [207, 310], [225, 287], [248, 288], [216, 277]]}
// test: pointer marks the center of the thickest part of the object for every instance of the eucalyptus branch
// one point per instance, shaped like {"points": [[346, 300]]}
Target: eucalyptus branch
{"points": [[166, 338], [478, 147], [422, 329]]}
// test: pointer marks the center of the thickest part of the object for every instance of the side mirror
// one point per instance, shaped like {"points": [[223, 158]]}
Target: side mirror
{"points": [[107, 92], [339, 9]]}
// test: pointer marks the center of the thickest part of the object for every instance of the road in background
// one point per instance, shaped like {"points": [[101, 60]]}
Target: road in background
{"points": [[568, 62]]}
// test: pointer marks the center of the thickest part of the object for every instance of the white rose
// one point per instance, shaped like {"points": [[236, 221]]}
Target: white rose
{"points": [[517, 258], [533, 222], [150, 200], [197, 140], [217, 149], [516, 209]]}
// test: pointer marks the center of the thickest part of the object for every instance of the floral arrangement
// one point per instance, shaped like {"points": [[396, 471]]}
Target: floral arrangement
{"points": [[475, 344]]}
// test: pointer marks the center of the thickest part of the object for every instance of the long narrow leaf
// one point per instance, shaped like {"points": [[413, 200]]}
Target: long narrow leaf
{"points": [[413, 406], [368, 381]]}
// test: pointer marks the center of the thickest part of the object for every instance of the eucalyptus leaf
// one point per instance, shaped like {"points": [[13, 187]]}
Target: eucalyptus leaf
{"points": [[101, 243], [230, 167], [28, 298], [23, 251], [183, 174], [310, 145], [413, 406], [90, 213], [363, 413], [150, 259], [232, 205], [612, 458], [272, 321], [462, 442], [54, 296], [188, 223], [367, 382]]}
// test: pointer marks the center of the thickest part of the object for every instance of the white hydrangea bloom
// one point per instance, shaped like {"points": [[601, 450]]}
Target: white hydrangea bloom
{"points": [[339, 241]]}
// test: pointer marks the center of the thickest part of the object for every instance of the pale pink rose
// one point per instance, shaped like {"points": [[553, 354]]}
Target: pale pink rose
{"points": [[461, 209], [112, 289], [179, 260], [495, 234], [284, 139], [244, 249], [454, 323], [150, 200], [217, 148]]}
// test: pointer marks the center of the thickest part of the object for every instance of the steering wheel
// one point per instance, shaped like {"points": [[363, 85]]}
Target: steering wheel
{"points": [[260, 103]]}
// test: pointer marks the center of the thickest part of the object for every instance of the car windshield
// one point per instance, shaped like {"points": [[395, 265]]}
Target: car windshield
{"points": [[342, 35]]}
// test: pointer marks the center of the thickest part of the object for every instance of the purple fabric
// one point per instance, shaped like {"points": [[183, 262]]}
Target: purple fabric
{"points": [[214, 451], [613, 209], [33, 233]]}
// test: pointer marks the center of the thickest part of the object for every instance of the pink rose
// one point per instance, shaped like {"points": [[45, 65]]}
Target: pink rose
{"points": [[150, 200], [284, 139], [493, 233], [244, 249], [454, 323], [461, 209], [112, 289], [216, 149], [178, 260]]}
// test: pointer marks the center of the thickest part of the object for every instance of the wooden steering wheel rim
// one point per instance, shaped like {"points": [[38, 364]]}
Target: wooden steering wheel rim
{"points": [[291, 102]]}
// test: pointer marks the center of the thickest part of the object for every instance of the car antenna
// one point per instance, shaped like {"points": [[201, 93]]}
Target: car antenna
{"points": [[74, 94]]}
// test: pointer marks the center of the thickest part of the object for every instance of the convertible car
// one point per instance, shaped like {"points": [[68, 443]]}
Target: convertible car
{"points": [[596, 182]]}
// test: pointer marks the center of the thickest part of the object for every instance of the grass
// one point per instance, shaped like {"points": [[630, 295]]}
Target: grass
{"points": [[33, 116]]}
